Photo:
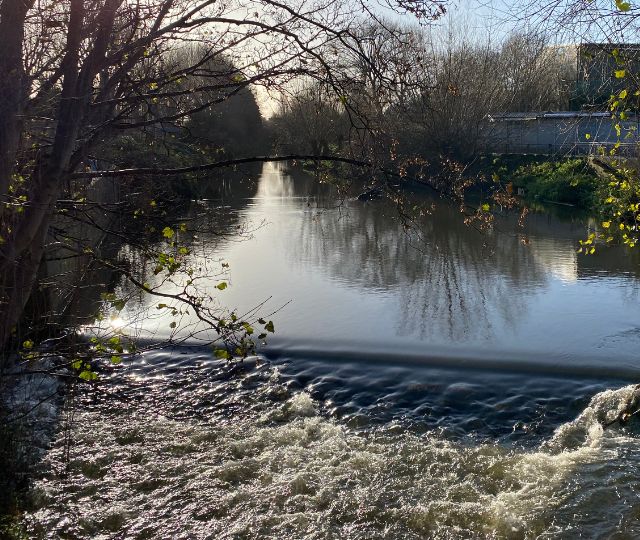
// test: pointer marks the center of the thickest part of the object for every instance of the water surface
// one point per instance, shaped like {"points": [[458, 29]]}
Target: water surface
{"points": [[436, 383], [350, 277]]}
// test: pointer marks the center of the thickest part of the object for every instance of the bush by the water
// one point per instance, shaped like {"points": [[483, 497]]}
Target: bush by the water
{"points": [[569, 181]]}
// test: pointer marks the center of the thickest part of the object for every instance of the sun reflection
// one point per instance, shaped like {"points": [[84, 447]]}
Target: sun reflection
{"points": [[117, 323]]}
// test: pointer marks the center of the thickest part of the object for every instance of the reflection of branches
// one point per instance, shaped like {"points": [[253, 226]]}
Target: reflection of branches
{"points": [[454, 285]]}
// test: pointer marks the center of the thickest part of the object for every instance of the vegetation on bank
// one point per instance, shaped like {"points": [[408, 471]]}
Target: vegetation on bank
{"points": [[545, 179]]}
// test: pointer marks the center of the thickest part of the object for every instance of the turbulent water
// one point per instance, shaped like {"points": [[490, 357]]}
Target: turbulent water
{"points": [[176, 445], [444, 385]]}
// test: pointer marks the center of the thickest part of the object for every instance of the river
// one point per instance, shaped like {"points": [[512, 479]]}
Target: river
{"points": [[434, 383]]}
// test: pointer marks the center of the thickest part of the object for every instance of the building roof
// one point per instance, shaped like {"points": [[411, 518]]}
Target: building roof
{"points": [[528, 116]]}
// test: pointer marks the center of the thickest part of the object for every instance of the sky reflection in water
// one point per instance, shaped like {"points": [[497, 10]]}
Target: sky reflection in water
{"points": [[350, 275]]}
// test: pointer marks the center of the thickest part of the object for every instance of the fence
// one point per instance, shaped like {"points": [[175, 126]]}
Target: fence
{"points": [[567, 133]]}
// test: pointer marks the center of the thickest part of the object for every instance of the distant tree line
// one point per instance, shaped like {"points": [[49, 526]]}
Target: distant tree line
{"points": [[449, 88]]}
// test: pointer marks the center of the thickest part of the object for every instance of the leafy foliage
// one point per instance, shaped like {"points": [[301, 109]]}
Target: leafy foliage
{"points": [[569, 181]]}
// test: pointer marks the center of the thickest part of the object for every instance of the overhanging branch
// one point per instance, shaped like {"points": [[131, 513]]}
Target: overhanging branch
{"points": [[155, 171]]}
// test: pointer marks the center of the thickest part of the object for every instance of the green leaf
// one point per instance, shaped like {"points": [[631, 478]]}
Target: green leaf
{"points": [[116, 360], [28, 344], [173, 324], [269, 327], [222, 353], [222, 286], [88, 375], [168, 232]]}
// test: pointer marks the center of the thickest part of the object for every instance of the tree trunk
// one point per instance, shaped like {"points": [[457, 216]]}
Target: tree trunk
{"points": [[13, 88], [22, 250]]}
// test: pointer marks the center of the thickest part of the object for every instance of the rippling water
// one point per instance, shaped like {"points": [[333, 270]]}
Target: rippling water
{"points": [[444, 384], [177, 445]]}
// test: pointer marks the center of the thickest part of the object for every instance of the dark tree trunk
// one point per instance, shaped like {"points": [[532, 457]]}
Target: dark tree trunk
{"points": [[22, 250], [13, 88]]}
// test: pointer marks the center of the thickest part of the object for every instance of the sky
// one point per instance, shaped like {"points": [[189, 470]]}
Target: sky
{"points": [[480, 16], [498, 18]]}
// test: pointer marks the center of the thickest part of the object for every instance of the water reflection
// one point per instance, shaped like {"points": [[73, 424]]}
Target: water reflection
{"points": [[352, 274], [450, 281]]}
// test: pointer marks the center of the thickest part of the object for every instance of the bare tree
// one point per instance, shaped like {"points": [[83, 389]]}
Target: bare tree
{"points": [[536, 75], [75, 72]]}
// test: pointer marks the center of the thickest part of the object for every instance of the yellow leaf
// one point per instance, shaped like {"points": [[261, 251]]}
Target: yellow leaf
{"points": [[622, 5]]}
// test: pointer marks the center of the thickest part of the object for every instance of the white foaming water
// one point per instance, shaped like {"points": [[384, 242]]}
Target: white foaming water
{"points": [[587, 429], [285, 470], [302, 405]]}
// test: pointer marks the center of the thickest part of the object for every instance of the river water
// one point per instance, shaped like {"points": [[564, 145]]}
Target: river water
{"points": [[436, 383]]}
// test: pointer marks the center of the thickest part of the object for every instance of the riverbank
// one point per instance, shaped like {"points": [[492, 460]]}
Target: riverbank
{"points": [[574, 182], [579, 182]]}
